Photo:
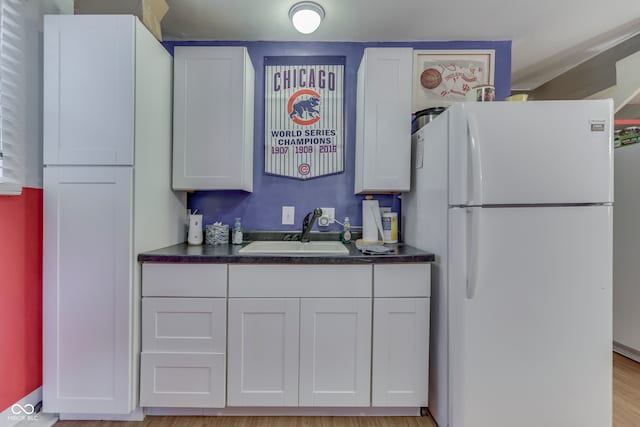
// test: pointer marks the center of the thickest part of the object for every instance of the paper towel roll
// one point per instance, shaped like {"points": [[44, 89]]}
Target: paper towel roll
{"points": [[371, 221]]}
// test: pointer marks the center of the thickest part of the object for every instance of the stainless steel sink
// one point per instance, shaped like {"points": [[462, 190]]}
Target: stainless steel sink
{"points": [[295, 248]]}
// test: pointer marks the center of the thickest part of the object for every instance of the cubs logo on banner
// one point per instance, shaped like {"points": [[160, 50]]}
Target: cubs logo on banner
{"points": [[304, 116]]}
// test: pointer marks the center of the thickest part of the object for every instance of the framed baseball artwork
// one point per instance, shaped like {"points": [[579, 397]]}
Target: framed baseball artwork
{"points": [[442, 77]]}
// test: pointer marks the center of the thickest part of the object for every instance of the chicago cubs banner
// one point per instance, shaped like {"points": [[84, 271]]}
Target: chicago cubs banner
{"points": [[304, 107]]}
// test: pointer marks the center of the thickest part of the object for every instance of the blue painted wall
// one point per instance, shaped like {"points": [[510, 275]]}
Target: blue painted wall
{"points": [[261, 210]]}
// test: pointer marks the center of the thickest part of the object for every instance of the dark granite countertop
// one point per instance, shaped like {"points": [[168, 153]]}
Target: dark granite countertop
{"points": [[228, 254]]}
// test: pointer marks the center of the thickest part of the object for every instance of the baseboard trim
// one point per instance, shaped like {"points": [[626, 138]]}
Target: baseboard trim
{"points": [[136, 415], [283, 411], [626, 351], [17, 415]]}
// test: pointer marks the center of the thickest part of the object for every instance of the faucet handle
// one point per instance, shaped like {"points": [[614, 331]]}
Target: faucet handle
{"points": [[306, 219], [311, 216]]}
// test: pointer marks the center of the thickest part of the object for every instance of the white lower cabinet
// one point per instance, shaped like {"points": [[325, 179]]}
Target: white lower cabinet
{"points": [[400, 358], [400, 373], [335, 351], [263, 352], [184, 339], [295, 335], [306, 341], [299, 352]]}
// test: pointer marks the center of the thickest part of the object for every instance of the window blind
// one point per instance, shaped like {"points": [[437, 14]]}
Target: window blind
{"points": [[12, 95]]}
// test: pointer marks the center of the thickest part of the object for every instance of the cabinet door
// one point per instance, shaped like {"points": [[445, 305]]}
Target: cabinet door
{"points": [[263, 352], [383, 124], [88, 90], [400, 373], [335, 351], [87, 286], [213, 105]]}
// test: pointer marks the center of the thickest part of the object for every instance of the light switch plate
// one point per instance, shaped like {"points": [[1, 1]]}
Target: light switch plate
{"points": [[288, 215]]}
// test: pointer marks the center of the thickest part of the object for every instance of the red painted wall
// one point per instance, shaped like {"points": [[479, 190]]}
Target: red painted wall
{"points": [[20, 295]]}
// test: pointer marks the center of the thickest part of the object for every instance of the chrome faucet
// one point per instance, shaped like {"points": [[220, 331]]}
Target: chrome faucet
{"points": [[307, 224]]}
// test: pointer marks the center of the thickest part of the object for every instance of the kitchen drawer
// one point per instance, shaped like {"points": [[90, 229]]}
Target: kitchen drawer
{"points": [[188, 380], [402, 280], [184, 325], [259, 281], [184, 280]]}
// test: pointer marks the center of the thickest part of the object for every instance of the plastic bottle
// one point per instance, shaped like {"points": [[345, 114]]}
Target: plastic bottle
{"points": [[237, 233], [346, 233]]}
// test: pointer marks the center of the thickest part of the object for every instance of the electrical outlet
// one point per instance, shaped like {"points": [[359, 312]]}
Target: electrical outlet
{"points": [[288, 214], [328, 217]]}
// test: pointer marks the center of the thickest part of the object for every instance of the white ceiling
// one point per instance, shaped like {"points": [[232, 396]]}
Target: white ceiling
{"points": [[548, 36]]}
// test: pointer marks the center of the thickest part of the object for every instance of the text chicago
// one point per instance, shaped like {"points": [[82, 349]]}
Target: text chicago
{"points": [[304, 78]]}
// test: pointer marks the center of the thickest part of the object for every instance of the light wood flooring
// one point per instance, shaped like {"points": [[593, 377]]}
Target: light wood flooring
{"points": [[260, 422], [626, 411], [626, 392]]}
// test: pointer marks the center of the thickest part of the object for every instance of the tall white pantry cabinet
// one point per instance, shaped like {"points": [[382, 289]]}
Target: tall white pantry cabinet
{"points": [[107, 197]]}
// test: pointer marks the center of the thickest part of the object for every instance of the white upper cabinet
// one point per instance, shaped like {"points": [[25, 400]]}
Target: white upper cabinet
{"points": [[383, 121], [88, 110], [213, 118]]}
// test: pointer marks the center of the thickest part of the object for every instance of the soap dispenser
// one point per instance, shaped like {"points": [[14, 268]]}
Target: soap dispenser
{"points": [[237, 233], [345, 236]]}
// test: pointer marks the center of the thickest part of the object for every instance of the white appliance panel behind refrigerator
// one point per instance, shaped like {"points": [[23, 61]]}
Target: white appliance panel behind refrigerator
{"points": [[533, 346], [544, 152], [626, 245], [424, 225]]}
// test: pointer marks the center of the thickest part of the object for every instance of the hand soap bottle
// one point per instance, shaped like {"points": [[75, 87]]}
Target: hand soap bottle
{"points": [[236, 238], [345, 237]]}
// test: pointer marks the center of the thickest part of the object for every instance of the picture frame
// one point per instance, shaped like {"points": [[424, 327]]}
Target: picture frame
{"points": [[442, 77]]}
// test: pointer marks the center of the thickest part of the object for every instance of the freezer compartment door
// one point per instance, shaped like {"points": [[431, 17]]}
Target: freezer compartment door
{"points": [[544, 152], [530, 317]]}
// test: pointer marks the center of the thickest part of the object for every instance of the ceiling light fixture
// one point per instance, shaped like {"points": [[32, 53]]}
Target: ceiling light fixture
{"points": [[306, 16]]}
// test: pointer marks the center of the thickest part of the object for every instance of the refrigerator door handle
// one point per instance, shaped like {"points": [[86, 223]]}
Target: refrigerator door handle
{"points": [[473, 252], [475, 173]]}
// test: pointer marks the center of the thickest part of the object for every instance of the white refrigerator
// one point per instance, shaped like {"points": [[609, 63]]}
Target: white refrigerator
{"points": [[515, 199], [626, 245]]}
